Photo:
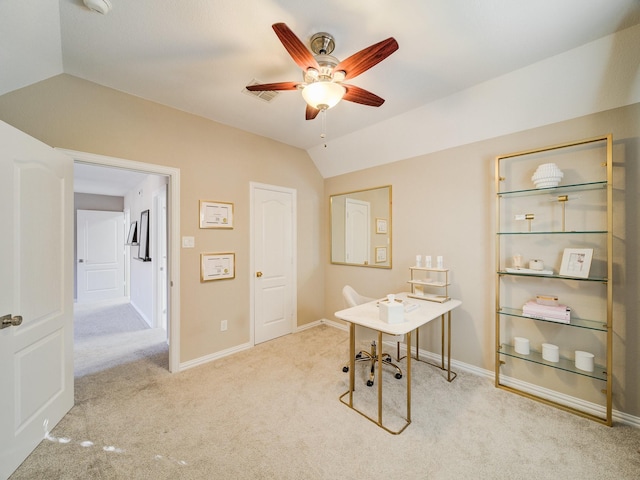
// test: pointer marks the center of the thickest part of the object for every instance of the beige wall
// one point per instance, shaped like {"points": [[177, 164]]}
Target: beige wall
{"points": [[216, 162], [443, 204]]}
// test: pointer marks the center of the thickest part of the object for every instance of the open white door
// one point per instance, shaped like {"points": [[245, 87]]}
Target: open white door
{"points": [[273, 258], [36, 283]]}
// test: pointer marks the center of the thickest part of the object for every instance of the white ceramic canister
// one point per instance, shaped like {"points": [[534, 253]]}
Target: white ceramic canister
{"points": [[550, 352]]}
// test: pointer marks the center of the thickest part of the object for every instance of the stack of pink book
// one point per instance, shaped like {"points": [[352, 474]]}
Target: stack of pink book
{"points": [[554, 313]]}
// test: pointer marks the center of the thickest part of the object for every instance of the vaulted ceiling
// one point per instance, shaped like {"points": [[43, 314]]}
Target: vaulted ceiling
{"points": [[198, 55]]}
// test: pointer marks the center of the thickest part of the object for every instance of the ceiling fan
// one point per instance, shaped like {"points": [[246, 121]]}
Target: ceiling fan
{"points": [[323, 74]]}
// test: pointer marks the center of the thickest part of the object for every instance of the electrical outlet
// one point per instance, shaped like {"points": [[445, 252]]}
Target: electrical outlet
{"points": [[223, 325]]}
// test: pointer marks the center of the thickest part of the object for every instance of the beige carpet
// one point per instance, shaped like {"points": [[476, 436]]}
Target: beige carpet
{"points": [[273, 413]]}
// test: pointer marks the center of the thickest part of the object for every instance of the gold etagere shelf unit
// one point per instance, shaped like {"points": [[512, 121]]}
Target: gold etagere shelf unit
{"points": [[555, 231]]}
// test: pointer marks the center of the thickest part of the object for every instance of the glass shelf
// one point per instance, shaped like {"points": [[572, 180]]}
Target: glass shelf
{"points": [[429, 284], [552, 190], [575, 322], [558, 277], [599, 372], [570, 232]]}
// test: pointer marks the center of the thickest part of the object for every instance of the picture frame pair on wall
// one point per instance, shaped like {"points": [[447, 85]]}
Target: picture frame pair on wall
{"points": [[220, 265]]}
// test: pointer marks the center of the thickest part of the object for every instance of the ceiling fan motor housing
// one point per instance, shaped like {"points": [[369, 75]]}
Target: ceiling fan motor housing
{"points": [[322, 43]]}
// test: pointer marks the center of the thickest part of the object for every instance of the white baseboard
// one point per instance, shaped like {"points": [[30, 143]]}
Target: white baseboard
{"points": [[334, 324], [144, 317], [214, 356]]}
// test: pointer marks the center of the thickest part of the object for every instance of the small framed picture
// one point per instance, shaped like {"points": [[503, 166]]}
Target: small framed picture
{"points": [[576, 262], [381, 225], [381, 254], [216, 214], [217, 266], [132, 238]]}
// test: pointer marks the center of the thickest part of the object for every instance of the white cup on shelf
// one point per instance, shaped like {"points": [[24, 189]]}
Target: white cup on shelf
{"points": [[584, 360], [521, 345], [427, 261], [418, 260], [550, 352]]}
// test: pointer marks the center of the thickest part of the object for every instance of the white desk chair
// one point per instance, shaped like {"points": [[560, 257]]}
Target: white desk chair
{"points": [[353, 298]]}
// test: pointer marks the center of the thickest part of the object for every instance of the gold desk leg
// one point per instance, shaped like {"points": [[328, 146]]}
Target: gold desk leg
{"points": [[379, 378], [352, 361], [443, 326], [442, 340], [409, 379], [449, 377]]}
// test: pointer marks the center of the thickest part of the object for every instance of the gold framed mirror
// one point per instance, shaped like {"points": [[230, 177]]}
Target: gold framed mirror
{"points": [[361, 228]]}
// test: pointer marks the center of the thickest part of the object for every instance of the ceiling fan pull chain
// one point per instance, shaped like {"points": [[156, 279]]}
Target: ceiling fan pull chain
{"points": [[323, 115]]}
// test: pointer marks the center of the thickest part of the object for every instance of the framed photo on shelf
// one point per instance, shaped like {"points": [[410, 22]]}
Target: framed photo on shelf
{"points": [[216, 214], [381, 254], [576, 262], [381, 225], [217, 266], [132, 238]]}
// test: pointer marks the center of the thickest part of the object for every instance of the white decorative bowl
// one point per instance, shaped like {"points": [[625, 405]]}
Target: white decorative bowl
{"points": [[547, 175]]}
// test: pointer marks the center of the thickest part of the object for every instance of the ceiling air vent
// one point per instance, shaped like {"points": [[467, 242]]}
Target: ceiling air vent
{"points": [[265, 96]]}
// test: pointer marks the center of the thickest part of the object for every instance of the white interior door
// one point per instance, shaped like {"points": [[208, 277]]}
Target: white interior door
{"points": [[273, 246], [357, 231], [100, 255], [36, 283]]}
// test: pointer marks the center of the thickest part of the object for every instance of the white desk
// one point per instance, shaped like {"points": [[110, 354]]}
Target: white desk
{"points": [[367, 315]]}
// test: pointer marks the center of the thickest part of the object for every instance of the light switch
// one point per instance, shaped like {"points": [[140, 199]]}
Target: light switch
{"points": [[188, 242]]}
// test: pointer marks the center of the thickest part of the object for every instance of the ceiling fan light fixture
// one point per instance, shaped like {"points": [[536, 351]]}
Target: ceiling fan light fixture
{"points": [[323, 95], [99, 6]]}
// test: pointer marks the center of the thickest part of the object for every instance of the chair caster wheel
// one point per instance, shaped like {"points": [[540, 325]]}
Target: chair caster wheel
{"points": [[369, 383], [345, 369], [358, 356], [398, 376]]}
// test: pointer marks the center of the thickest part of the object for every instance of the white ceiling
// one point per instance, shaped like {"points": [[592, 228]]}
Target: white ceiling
{"points": [[197, 55], [100, 180]]}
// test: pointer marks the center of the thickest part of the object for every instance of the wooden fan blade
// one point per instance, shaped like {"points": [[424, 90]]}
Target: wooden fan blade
{"points": [[300, 54], [264, 87], [361, 96], [365, 59], [311, 113]]}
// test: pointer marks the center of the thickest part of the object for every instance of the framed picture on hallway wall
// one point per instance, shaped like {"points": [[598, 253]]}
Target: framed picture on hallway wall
{"points": [[217, 266], [143, 237], [216, 214], [132, 238]]}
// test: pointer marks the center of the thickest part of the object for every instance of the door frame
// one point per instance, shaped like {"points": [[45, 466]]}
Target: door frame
{"points": [[159, 221], [173, 228], [253, 186]]}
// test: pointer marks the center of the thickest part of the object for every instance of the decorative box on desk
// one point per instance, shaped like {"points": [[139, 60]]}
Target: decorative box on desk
{"points": [[429, 284]]}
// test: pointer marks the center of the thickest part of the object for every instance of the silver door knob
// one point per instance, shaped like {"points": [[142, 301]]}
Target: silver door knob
{"points": [[10, 321]]}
